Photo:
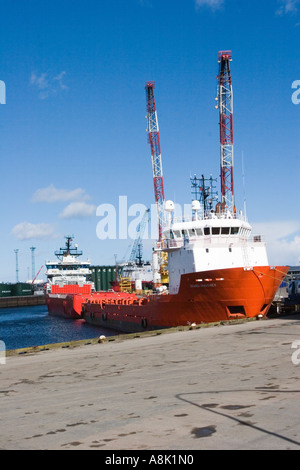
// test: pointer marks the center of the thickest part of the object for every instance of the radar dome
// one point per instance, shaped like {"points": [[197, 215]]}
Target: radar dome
{"points": [[196, 205], [169, 206]]}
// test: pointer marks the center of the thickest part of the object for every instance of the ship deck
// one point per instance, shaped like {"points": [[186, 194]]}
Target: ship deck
{"points": [[233, 386]]}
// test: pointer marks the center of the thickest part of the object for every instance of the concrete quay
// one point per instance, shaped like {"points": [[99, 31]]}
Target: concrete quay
{"points": [[223, 387]]}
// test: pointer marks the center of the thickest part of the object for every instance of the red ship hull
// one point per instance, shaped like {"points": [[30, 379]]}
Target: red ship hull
{"points": [[203, 297], [67, 301], [66, 305]]}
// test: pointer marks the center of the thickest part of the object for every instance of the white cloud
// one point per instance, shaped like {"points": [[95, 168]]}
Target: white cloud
{"points": [[40, 82], [59, 80], [27, 231], [287, 6], [53, 194], [283, 241], [214, 4], [48, 85], [78, 210]]}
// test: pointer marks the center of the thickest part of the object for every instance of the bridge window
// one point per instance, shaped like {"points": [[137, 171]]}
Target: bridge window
{"points": [[216, 230], [189, 233], [170, 234]]}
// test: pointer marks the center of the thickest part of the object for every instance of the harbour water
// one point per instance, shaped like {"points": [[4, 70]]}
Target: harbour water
{"points": [[24, 327]]}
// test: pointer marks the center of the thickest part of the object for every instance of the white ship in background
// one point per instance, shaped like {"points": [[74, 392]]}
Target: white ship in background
{"points": [[68, 271]]}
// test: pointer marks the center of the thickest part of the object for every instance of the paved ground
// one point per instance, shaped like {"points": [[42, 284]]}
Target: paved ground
{"points": [[225, 387]]}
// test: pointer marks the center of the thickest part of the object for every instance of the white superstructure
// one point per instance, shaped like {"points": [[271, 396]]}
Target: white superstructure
{"points": [[137, 272], [68, 270], [217, 241]]}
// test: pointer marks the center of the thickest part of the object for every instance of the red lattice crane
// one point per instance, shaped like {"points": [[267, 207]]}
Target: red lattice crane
{"points": [[225, 105], [154, 140]]}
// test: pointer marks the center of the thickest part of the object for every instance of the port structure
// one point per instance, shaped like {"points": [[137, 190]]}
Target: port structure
{"points": [[17, 264], [32, 248], [225, 106], [154, 140]]}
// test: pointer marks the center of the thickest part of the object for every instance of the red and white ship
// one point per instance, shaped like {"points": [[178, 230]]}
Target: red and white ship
{"points": [[69, 282], [216, 272]]}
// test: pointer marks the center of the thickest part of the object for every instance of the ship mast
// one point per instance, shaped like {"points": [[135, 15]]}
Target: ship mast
{"points": [[68, 250], [225, 105]]}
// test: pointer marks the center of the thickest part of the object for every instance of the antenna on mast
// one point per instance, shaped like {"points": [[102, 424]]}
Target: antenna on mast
{"points": [[244, 187]]}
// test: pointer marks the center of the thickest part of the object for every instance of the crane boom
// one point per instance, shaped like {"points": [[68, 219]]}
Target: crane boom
{"points": [[140, 232], [37, 274], [225, 104], [154, 140]]}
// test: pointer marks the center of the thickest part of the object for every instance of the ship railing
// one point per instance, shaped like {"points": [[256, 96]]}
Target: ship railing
{"points": [[171, 243], [209, 216]]}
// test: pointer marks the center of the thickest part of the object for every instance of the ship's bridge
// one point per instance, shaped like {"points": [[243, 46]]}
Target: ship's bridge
{"points": [[214, 226], [68, 266]]}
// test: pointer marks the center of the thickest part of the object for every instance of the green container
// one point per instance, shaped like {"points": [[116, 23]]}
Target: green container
{"points": [[102, 277], [5, 290], [21, 289]]}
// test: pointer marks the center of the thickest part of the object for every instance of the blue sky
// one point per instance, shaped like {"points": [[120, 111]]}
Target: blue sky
{"points": [[73, 129]]}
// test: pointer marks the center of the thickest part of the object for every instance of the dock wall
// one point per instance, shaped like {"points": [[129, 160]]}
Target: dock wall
{"points": [[22, 301]]}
